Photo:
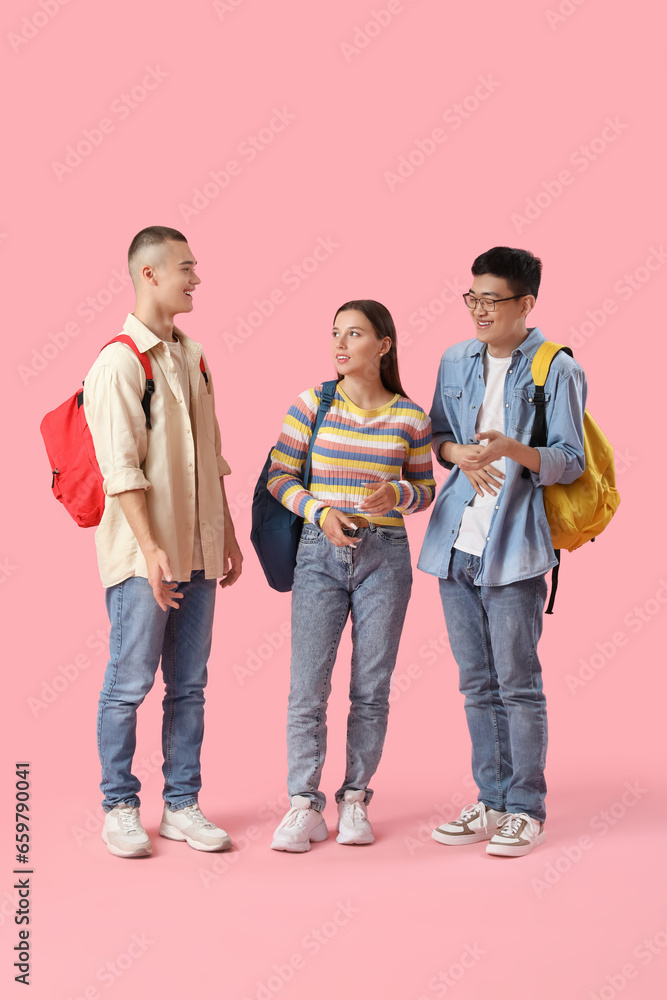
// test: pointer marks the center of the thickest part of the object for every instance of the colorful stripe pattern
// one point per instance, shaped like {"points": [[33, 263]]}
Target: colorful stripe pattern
{"points": [[354, 446]]}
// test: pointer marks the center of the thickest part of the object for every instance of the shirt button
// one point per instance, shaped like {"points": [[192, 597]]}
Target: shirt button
{"points": [[190, 494], [507, 406], [189, 465], [511, 371], [488, 538], [474, 407], [496, 509], [452, 531], [472, 440], [187, 430]]}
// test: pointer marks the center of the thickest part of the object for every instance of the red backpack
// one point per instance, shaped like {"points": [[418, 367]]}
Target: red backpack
{"points": [[77, 481]]}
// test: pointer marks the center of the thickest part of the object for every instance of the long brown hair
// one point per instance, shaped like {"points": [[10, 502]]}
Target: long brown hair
{"points": [[380, 319]]}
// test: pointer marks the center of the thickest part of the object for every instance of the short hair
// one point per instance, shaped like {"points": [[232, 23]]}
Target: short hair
{"points": [[519, 268], [150, 238]]}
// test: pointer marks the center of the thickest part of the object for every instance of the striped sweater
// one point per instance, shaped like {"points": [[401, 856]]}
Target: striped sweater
{"points": [[353, 446]]}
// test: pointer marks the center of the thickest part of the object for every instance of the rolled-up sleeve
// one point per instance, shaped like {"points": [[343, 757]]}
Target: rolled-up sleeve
{"points": [[563, 460], [118, 427], [440, 426]]}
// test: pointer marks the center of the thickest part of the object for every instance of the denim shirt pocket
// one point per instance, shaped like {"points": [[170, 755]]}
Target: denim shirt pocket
{"points": [[523, 409]]}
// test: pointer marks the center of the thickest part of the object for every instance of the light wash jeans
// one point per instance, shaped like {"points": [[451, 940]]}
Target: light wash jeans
{"points": [[372, 582], [141, 635], [493, 634]]}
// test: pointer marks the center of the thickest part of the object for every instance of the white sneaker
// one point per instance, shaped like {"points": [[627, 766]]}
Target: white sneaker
{"points": [[300, 825], [123, 833], [191, 825], [518, 835], [353, 823], [475, 823]]}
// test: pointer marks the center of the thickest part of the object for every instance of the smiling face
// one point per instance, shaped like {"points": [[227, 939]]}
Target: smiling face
{"points": [[355, 347], [504, 328], [172, 277]]}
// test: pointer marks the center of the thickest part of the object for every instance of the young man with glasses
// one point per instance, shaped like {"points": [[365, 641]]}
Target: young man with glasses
{"points": [[489, 542]]}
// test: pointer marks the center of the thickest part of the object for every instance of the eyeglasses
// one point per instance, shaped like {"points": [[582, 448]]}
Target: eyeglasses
{"points": [[488, 305]]}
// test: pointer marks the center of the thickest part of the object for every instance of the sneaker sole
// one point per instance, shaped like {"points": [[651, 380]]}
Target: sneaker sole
{"points": [[358, 841], [172, 833], [319, 834], [454, 840], [138, 852], [508, 851]]}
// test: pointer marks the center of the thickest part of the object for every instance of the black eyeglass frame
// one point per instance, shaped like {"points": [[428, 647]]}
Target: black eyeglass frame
{"points": [[466, 296]]}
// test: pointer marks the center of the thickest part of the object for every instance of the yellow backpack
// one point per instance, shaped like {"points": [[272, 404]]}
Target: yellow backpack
{"points": [[577, 512]]}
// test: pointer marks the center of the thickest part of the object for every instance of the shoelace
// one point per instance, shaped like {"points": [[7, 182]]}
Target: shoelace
{"points": [[353, 814], [195, 814], [510, 827], [129, 819], [295, 817], [467, 813]]}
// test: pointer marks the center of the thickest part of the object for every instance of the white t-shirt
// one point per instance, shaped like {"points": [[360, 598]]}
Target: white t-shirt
{"points": [[180, 364], [477, 516]]}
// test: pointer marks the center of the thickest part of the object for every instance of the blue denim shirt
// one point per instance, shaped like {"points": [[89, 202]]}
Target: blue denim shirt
{"points": [[519, 541]]}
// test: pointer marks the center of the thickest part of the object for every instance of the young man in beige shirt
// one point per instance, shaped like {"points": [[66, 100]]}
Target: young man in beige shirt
{"points": [[165, 537]]}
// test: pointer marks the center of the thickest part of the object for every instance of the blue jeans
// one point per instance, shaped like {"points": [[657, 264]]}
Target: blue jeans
{"points": [[372, 582], [493, 633], [142, 634]]}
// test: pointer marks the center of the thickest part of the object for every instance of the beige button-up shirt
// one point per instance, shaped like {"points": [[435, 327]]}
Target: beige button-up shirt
{"points": [[178, 462]]}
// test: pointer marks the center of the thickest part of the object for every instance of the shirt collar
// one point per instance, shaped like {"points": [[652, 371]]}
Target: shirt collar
{"points": [[528, 348], [145, 339]]}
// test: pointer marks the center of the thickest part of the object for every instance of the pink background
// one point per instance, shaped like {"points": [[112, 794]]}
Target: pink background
{"points": [[394, 920]]}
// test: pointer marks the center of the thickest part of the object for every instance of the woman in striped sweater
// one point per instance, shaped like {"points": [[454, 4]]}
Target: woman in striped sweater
{"points": [[371, 464]]}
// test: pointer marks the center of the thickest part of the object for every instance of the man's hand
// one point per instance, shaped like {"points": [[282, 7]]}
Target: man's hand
{"points": [[333, 526], [231, 560], [382, 500], [160, 579], [485, 478]]}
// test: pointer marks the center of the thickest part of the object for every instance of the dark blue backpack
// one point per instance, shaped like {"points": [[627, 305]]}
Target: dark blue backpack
{"points": [[276, 530]]}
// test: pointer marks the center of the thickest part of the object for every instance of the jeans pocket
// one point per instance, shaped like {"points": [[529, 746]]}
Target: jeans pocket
{"points": [[395, 536], [310, 535]]}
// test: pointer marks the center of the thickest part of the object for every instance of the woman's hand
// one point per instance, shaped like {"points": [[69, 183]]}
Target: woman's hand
{"points": [[333, 526], [382, 500]]}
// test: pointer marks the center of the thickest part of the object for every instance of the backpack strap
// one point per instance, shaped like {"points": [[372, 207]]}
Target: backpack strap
{"points": [[539, 370], [326, 399], [150, 384]]}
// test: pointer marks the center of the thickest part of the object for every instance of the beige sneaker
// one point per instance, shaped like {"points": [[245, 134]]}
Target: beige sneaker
{"points": [[191, 825], [475, 823], [123, 833], [519, 834], [299, 826], [353, 823]]}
